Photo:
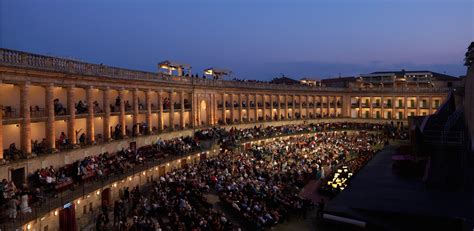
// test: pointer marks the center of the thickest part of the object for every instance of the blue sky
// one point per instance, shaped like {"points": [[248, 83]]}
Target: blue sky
{"points": [[257, 39]]}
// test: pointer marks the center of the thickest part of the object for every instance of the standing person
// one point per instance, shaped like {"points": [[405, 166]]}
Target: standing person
{"points": [[320, 208], [24, 207], [12, 212]]}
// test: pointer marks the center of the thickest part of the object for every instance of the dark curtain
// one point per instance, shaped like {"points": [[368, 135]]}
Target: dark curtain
{"points": [[67, 219]]}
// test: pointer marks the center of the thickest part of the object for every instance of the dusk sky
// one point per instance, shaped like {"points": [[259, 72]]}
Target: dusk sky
{"points": [[257, 39]]}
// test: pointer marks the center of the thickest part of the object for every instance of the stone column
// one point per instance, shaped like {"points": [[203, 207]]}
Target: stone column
{"points": [[160, 111], [148, 110], [307, 106], [71, 123], [371, 107], [417, 101], [360, 108], [430, 105], [271, 107], [194, 109], [241, 116], [286, 107], [248, 107], [346, 105], [224, 119], [256, 107], [90, 116], [405, 112], [232, 112], [300, 97], [106, 120], [393, 107], [293, 107], [264, 110], [321, 106], [382, 107], [181, 116], [171, 92], [328, 100], [209, 109], [135, 112], [122, 121], [1, 131], [279, 107], [49, 112], [315, 106], [214, 109]]}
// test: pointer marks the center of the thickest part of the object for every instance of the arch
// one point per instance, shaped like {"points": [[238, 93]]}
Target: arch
{"points": [[203, 113]]}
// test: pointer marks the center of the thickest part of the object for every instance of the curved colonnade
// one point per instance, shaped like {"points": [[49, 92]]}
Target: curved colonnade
{"points": [[76, 109]]}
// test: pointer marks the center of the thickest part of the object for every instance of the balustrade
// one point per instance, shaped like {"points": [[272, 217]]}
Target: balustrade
{"points": [[24, 59]]}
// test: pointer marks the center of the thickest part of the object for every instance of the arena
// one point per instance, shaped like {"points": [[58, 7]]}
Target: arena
{"points": [[92, 147]]}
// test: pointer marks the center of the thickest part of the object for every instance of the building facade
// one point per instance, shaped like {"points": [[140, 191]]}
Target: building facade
{"points": [[76, 109], [45, 99]]}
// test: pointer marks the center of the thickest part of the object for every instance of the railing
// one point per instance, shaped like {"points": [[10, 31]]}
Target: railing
{"points": [[9, 113], [29, 60], [37, 112]]}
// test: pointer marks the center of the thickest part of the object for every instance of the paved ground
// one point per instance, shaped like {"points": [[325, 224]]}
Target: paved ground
{"points": [[379, 196]]}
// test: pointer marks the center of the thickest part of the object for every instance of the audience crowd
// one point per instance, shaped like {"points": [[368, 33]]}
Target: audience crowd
{"points": [[261, 183]]}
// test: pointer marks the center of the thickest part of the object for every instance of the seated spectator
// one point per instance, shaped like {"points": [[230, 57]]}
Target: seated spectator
{"points": [[58, 108]]}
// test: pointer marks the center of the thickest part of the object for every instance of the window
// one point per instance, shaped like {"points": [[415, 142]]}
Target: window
{"points": [[90, 207], [400, 103], [400, 115], [84, 210]]}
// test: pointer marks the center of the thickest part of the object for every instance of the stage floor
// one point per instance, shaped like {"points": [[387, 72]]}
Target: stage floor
{"points": [[381, 198]]}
